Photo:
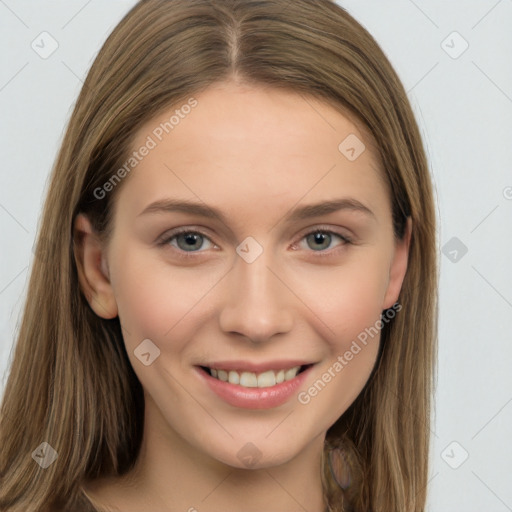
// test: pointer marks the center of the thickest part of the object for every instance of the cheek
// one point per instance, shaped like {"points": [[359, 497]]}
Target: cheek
{"points": [[353, 320], [348, 298], [157, 301], [349, 302]]}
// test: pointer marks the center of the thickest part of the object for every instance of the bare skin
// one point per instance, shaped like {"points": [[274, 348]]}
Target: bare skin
{"points": [[255, 154]]}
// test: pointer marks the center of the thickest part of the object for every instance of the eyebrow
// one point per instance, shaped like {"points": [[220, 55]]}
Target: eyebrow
{"points": [[168, 205]]}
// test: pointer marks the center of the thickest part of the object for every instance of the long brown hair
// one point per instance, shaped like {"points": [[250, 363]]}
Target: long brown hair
{"points": [[71, 384]]}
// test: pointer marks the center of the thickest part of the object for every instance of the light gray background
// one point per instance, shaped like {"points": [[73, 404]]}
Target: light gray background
{"points": [[463, 103]]}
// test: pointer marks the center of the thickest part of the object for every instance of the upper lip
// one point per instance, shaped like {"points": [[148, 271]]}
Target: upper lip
{"points": [[256, 367]]}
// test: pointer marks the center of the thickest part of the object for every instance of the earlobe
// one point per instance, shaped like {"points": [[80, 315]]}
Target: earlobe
{"points": [[93, 274], [398, 267]]}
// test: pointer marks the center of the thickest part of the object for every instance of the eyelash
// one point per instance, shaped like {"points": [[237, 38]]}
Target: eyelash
{"points": [[191, 254]]}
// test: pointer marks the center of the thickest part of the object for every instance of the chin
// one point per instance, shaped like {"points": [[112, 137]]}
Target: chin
{"points": [[257, 454]]}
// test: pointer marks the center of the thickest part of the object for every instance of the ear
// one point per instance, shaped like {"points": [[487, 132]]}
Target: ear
{"points": [[92, 269], [398, 267]]}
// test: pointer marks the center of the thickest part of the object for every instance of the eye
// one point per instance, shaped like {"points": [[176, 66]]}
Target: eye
{"points": [[186, 240], [320, 239]]}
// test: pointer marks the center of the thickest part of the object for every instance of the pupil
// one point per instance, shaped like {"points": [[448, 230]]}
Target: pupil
{"points": [[190, 240], [321, 238]]}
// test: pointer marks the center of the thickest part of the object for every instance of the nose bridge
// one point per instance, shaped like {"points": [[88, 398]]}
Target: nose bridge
{"points": [[257, 303]]}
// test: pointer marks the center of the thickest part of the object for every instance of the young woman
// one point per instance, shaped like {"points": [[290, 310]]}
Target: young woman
{"points": [[233, 304]]}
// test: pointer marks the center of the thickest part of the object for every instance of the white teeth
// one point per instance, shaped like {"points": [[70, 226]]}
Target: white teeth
{"points": [[266, 379], [234, 378], [252, 380], [290, 374], [249, 380]]}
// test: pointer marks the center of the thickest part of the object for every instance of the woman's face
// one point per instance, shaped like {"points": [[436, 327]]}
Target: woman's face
{"points": [[247, 288]]}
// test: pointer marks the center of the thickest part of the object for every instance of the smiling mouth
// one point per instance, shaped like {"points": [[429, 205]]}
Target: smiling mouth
{"points": [[264, 379]]}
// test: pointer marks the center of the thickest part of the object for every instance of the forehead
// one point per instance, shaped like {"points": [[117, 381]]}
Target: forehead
{"points": [[242, 145]]}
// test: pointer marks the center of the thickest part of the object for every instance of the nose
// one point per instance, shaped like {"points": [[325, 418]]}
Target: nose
{"points": [[257, 304]]}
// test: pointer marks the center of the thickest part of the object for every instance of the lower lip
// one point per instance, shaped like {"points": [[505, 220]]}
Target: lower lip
{"points": [[255, 398]]}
